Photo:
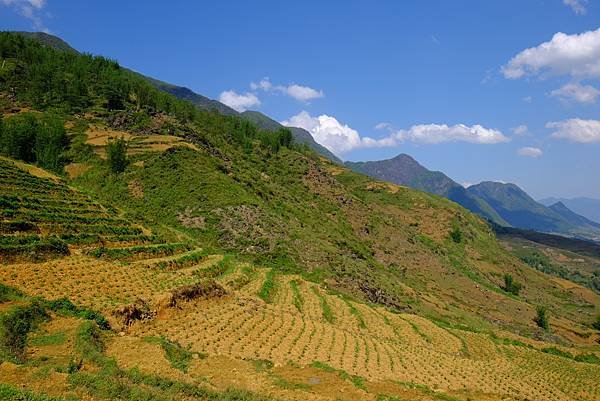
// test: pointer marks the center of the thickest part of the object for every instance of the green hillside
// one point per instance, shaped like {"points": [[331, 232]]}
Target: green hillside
{"points": [[239, 253]]}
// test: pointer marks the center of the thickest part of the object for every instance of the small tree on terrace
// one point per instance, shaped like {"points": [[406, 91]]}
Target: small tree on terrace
{"points": [[510, 285], [542, 318], [116, 151]]}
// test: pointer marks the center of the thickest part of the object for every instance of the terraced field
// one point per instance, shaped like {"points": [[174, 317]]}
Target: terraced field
{"points": [[41, 218], [288, 335], [372, 342]]}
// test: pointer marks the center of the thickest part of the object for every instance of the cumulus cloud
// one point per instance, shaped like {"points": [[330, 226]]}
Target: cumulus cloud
{"points": [[575, 55], [576, 130], [530, 152], [576, 92], [239, 101], [334, 135], [577, 6], [298, 92], [341, 139], [29, 9], [521, 130]]}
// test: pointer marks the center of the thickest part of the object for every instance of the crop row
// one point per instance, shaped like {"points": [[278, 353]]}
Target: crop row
{"points": [[139, 252], [17, 226], [31, 249], [16, 203], [59, 217], [179, 262], [31, 202]]}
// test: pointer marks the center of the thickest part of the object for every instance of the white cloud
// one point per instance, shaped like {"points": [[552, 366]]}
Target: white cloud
{"points": [[576, 5], [238, 101], [29, 9], [340, 138], [264, 84], [438, 133], [303, 93], [575, 55], [577, 92], [521, 130], [576, 130], [530, 152], [528, 99], [298, 92], [335, 136]]}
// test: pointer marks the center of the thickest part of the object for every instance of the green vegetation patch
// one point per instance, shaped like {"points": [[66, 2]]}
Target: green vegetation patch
{"points": [[15, 326], [269, 287], [298, 300], [10, 393], [357, 381], [325, 308], [179, 357], [49, 339]]}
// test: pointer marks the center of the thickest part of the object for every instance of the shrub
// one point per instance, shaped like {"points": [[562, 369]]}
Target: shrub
{"points": [[510, 285], [456, 235], [15, 325], [596, 324], [116, 151], [541, 318]]}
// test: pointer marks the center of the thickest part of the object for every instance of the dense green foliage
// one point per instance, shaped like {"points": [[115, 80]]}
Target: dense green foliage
{"points": [[541, 318], [15, 325], [510, 285], [39, 139], [116, 152], [596, 323]]}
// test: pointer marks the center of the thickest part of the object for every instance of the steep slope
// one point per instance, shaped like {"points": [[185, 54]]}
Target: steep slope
{"points": [[520, 210], [404, 170], [587, 207]]}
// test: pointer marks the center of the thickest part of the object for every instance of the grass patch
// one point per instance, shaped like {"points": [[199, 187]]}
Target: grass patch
{"points": [[262, 365], [326, 309], [269, 287], [426, 390], [298, 300], [178, 357], [10, 393], [15, 326], [50, 339], [356, 313], [288, 385], [585, 358], [357, 381], [9, 294]]}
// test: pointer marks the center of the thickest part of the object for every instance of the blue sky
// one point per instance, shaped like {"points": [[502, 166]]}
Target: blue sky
{"points": [[435, 77]]}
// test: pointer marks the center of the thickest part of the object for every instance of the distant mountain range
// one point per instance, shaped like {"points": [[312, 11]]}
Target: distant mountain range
{"points": [[587, 207], [506, 205]]}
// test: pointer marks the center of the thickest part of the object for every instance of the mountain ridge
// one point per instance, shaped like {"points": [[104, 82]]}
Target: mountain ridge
{"points": [[503, 204]]}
